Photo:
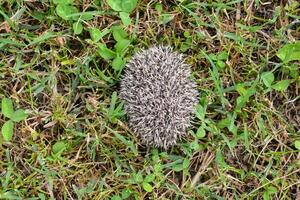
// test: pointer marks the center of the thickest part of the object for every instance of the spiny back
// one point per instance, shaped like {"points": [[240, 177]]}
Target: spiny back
{"points": [[159, 96]]}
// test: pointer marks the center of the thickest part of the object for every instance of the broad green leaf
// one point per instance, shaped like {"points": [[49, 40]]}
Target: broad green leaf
{"points": [[77, 27], [281, 85], [128, 5], [58, 147], [122, 45], [158, 7], [294, 71], [200, 112], [62, 1], [115, 4], [297, 144], [200, 132], [289, 52], [194, 145], [245, 95], [267, 78], [7, 130], [272, 190], [158, 167], [241, 102], [86, 16], [186, 34], [19, 115], [102, 33], [212, 56], [95, 34], [7, 107], [105, 52], [119, 33], [125, 18], [221, 64], [64, 11], [266, 195], [149, 178], [118, 63], [223, 55], [241, 89], [147, 187]]}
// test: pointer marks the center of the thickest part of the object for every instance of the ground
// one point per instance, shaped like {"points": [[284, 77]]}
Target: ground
{"points": [[64, 132]]}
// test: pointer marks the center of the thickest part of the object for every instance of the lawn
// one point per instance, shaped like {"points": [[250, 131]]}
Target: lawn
{"points": [[64, 132]]}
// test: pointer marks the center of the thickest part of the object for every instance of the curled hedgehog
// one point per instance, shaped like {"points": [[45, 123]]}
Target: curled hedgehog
{"points": [[159, 96]]}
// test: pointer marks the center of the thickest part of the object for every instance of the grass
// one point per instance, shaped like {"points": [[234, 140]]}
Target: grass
{"points": [[61, 61]]}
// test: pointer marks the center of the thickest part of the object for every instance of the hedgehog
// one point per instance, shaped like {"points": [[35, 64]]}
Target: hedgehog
{"points": [[159, 96]]}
